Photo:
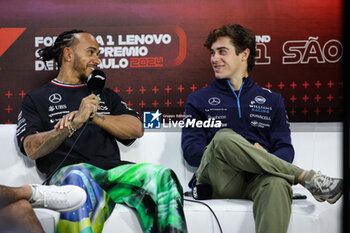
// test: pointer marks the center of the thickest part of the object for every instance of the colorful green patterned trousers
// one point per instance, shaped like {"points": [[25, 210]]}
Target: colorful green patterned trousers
{"points": [[152, 190]]}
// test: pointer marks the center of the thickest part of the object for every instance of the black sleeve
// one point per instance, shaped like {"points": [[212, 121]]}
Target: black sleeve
{"points": [[119, 107], [29, 121]]}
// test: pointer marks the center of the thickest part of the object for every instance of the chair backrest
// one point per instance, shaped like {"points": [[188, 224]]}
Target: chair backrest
{"points": [[15, 168], [317, 146]]}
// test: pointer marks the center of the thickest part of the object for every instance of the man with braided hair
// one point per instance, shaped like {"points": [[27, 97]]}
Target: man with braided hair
{"points": [[63, 116]]}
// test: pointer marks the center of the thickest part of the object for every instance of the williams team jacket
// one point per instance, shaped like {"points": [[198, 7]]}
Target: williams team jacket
{"points": [[254, 112]]}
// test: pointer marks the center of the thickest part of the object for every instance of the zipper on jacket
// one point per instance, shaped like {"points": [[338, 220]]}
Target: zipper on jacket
{"points": [[237, 96]]}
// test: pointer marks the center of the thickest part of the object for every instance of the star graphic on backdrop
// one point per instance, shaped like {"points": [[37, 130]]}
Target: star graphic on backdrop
{"points": [[156, 115]]}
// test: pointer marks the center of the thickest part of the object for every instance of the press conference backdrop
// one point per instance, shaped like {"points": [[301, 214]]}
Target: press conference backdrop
{"points": [[153, 55]]}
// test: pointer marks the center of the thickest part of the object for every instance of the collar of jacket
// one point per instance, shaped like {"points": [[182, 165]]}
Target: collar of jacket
{"points": [[221, 84]]}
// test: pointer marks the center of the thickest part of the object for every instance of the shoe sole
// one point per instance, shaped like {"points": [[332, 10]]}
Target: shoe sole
{"points": [[319, 199], [330, 200], [335, 198]]}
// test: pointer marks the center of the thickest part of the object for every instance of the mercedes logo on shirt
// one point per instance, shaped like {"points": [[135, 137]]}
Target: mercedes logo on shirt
{"points": [[55, 98], [214, 101]]}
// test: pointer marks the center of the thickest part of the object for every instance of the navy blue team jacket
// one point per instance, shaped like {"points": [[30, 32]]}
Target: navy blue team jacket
{"points": [[254, 112]]}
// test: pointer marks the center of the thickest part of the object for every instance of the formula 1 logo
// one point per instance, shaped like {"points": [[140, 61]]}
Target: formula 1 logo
{"points": [[151, 120], [302, 51], [8, 36]]}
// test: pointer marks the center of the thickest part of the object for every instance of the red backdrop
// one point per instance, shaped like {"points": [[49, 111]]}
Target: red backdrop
{"points": [[153, 55]]}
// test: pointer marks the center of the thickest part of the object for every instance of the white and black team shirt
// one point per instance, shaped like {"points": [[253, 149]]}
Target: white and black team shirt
{"points": [[41, 109]]}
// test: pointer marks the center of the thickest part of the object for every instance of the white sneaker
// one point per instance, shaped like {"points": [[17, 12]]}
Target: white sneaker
{"points": [[60, 198]]}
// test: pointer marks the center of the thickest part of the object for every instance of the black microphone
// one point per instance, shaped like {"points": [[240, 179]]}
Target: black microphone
{"points": [[202, 191], [96, 82]]}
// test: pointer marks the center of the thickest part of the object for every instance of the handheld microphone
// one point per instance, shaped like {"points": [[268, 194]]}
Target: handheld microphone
{"points": [[96, 82]]}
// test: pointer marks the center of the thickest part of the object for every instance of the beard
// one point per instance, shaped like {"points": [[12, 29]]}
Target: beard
{"points": [[80, 68]]}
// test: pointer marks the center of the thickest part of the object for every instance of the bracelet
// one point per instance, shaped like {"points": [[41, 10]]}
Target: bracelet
{"points": [[71, 129]]}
